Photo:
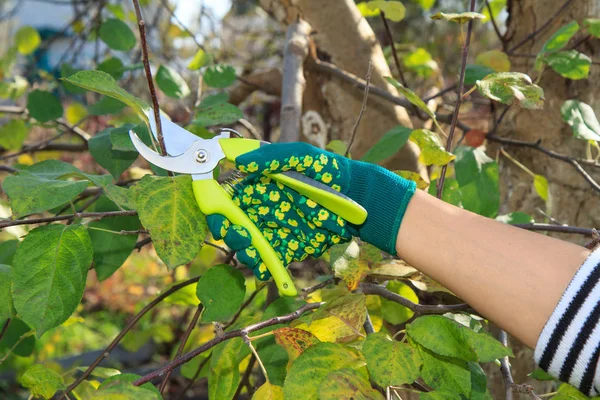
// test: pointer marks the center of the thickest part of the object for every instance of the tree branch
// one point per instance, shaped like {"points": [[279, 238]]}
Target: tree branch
{"points": [[362, 108], [505, 368], [5, 224], [226, 336], [127, 328], [557, 228], [294, 53], [461, 86]]}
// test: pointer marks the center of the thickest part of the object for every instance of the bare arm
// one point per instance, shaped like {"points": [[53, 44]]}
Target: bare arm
{"points": [[511, 276]]}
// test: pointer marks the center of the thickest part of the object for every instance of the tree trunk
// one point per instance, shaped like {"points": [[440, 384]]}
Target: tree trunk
{"points": [[573, 201], [346, 38]]}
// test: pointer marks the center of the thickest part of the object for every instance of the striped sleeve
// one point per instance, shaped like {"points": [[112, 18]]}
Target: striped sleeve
{"points": [[569, 345]]}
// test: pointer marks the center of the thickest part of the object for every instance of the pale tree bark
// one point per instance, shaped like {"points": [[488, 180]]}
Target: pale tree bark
{"points": [[346, 38], [573, 201]]}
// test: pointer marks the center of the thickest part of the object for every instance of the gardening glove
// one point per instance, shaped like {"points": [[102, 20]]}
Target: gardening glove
{"points": [[382, 193], [295, 226]]}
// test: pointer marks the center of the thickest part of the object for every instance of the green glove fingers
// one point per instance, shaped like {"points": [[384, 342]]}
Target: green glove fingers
{"points": [[236, 237], [382, 193]]}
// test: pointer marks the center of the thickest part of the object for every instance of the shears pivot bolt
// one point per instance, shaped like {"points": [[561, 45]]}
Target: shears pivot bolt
{"points": [[201, 156]]}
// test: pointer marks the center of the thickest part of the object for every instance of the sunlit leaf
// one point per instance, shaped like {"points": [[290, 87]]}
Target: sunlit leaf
{"points": [[49, 273], [348, 266], [508, 87], [114, 161], [561, 37], [221, 290], [116, 10], [458, 18], [294, 341], [432, 151], [117, 35], [415, 177], [421, 62], [27, 40], [13, 133], [390, 363], [44, 106], [224, 374], [347, 384], [568, 392], [365, 11], [201, 58], [171, 83], [7, 308], [495, 59], [448, 338], [394, 10], [478, 178], [411, 96], [75, 113], [570, 64], [388, 145], [582, 119], [268, 391], [312, 367], [426, 4], [219, 76], [593, 26], [337, 146], [540, 184], [393, 312], [497, 6], [43, 382], [168, 209]]}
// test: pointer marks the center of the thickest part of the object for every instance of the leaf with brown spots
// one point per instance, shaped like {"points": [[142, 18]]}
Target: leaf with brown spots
{"points": [[294, 341], [347, 384]]}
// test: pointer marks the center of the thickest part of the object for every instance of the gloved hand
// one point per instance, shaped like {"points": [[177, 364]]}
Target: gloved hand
{"points": [[382, 193]]}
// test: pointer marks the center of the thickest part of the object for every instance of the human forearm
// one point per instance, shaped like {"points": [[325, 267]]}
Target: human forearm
{"points": [[511, 276]]}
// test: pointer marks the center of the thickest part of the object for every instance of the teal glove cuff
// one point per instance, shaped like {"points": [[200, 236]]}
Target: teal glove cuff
{"points": [[385, 196]]}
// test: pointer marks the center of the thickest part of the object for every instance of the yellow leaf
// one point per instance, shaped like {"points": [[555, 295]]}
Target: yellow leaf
{"points": [[365, 11], [432, 151], [268, 391], [27, 40], [393, 312], [394, 10], [541, 186], [415, 177], [494, 59], [72, 320], [75, 113]]}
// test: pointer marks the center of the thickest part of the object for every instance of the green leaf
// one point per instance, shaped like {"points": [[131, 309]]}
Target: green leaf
{"points": [[347, 384], [101, 372], [479, 390], [27, 40], [339, 320], [412, 97], [116, 10], [497, 6], [388, 145], [458, 18], [7, 251], [106, 105], [593, 26], [110, 248], [439, 395], [7, 309], [44, 106], [201, 58], [17, 331], [451, 193], [581, 118], [43, 382], [122, 390], [365, 11], [432, 151], [540, 184], [393, 312], [224, 374], [568, 392], [168, 209], [49, 273], [128, 378], [68, 70], [115, 162], [426, 4], [570, 64], [13, 133], [448, 338], [337, 146], [221, 290], [541, 375], [506, 87], [217, 114], [105, 84], [275, 360], [497, 60], [394, 10], [313, 366], [219, 76], [390, 363], [561, 37], [478, 178], [171, 83], [445, 374], [421, 62], [516, 217], [117, 35], [268, 391], [120, 140], [474, 73], [112, 66]]}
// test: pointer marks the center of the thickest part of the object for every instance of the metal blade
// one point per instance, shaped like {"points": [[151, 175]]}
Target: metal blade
{"points": [[177, 139]]}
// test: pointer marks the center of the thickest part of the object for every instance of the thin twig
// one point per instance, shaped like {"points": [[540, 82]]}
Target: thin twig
{"points": [[226, 336], [505, 368], [5, 328], [363, 107], [493, 20], [308, 290], [146, 62], [243, 307], [246, 378], [127, 328], [95, 215], [372, 288], [394, 52], [461, 85], [557, 228], [184, 340]]}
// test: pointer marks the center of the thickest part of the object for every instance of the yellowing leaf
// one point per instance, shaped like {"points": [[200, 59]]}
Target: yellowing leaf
{"points": [[42, 382], [201, 58], [458, 18], [350, 268], [75, 112], [294, 341], [13, 133], [411, 96], [27, 40], [394, 10], [506, 87], [365, 11], [393, 312], [432, 151], [390, 363], [268, 391], [347, 384], [494, 59], [415, 177], [541, 186]]}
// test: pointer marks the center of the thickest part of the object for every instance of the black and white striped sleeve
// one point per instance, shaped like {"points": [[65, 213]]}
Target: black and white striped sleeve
{"points": [[569, 345]]}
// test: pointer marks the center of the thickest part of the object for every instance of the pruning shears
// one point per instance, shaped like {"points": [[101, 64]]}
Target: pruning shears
{"points": [[190, 154]]}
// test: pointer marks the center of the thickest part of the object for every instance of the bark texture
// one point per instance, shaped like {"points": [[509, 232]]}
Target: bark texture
{"points": [[347, 40]]}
